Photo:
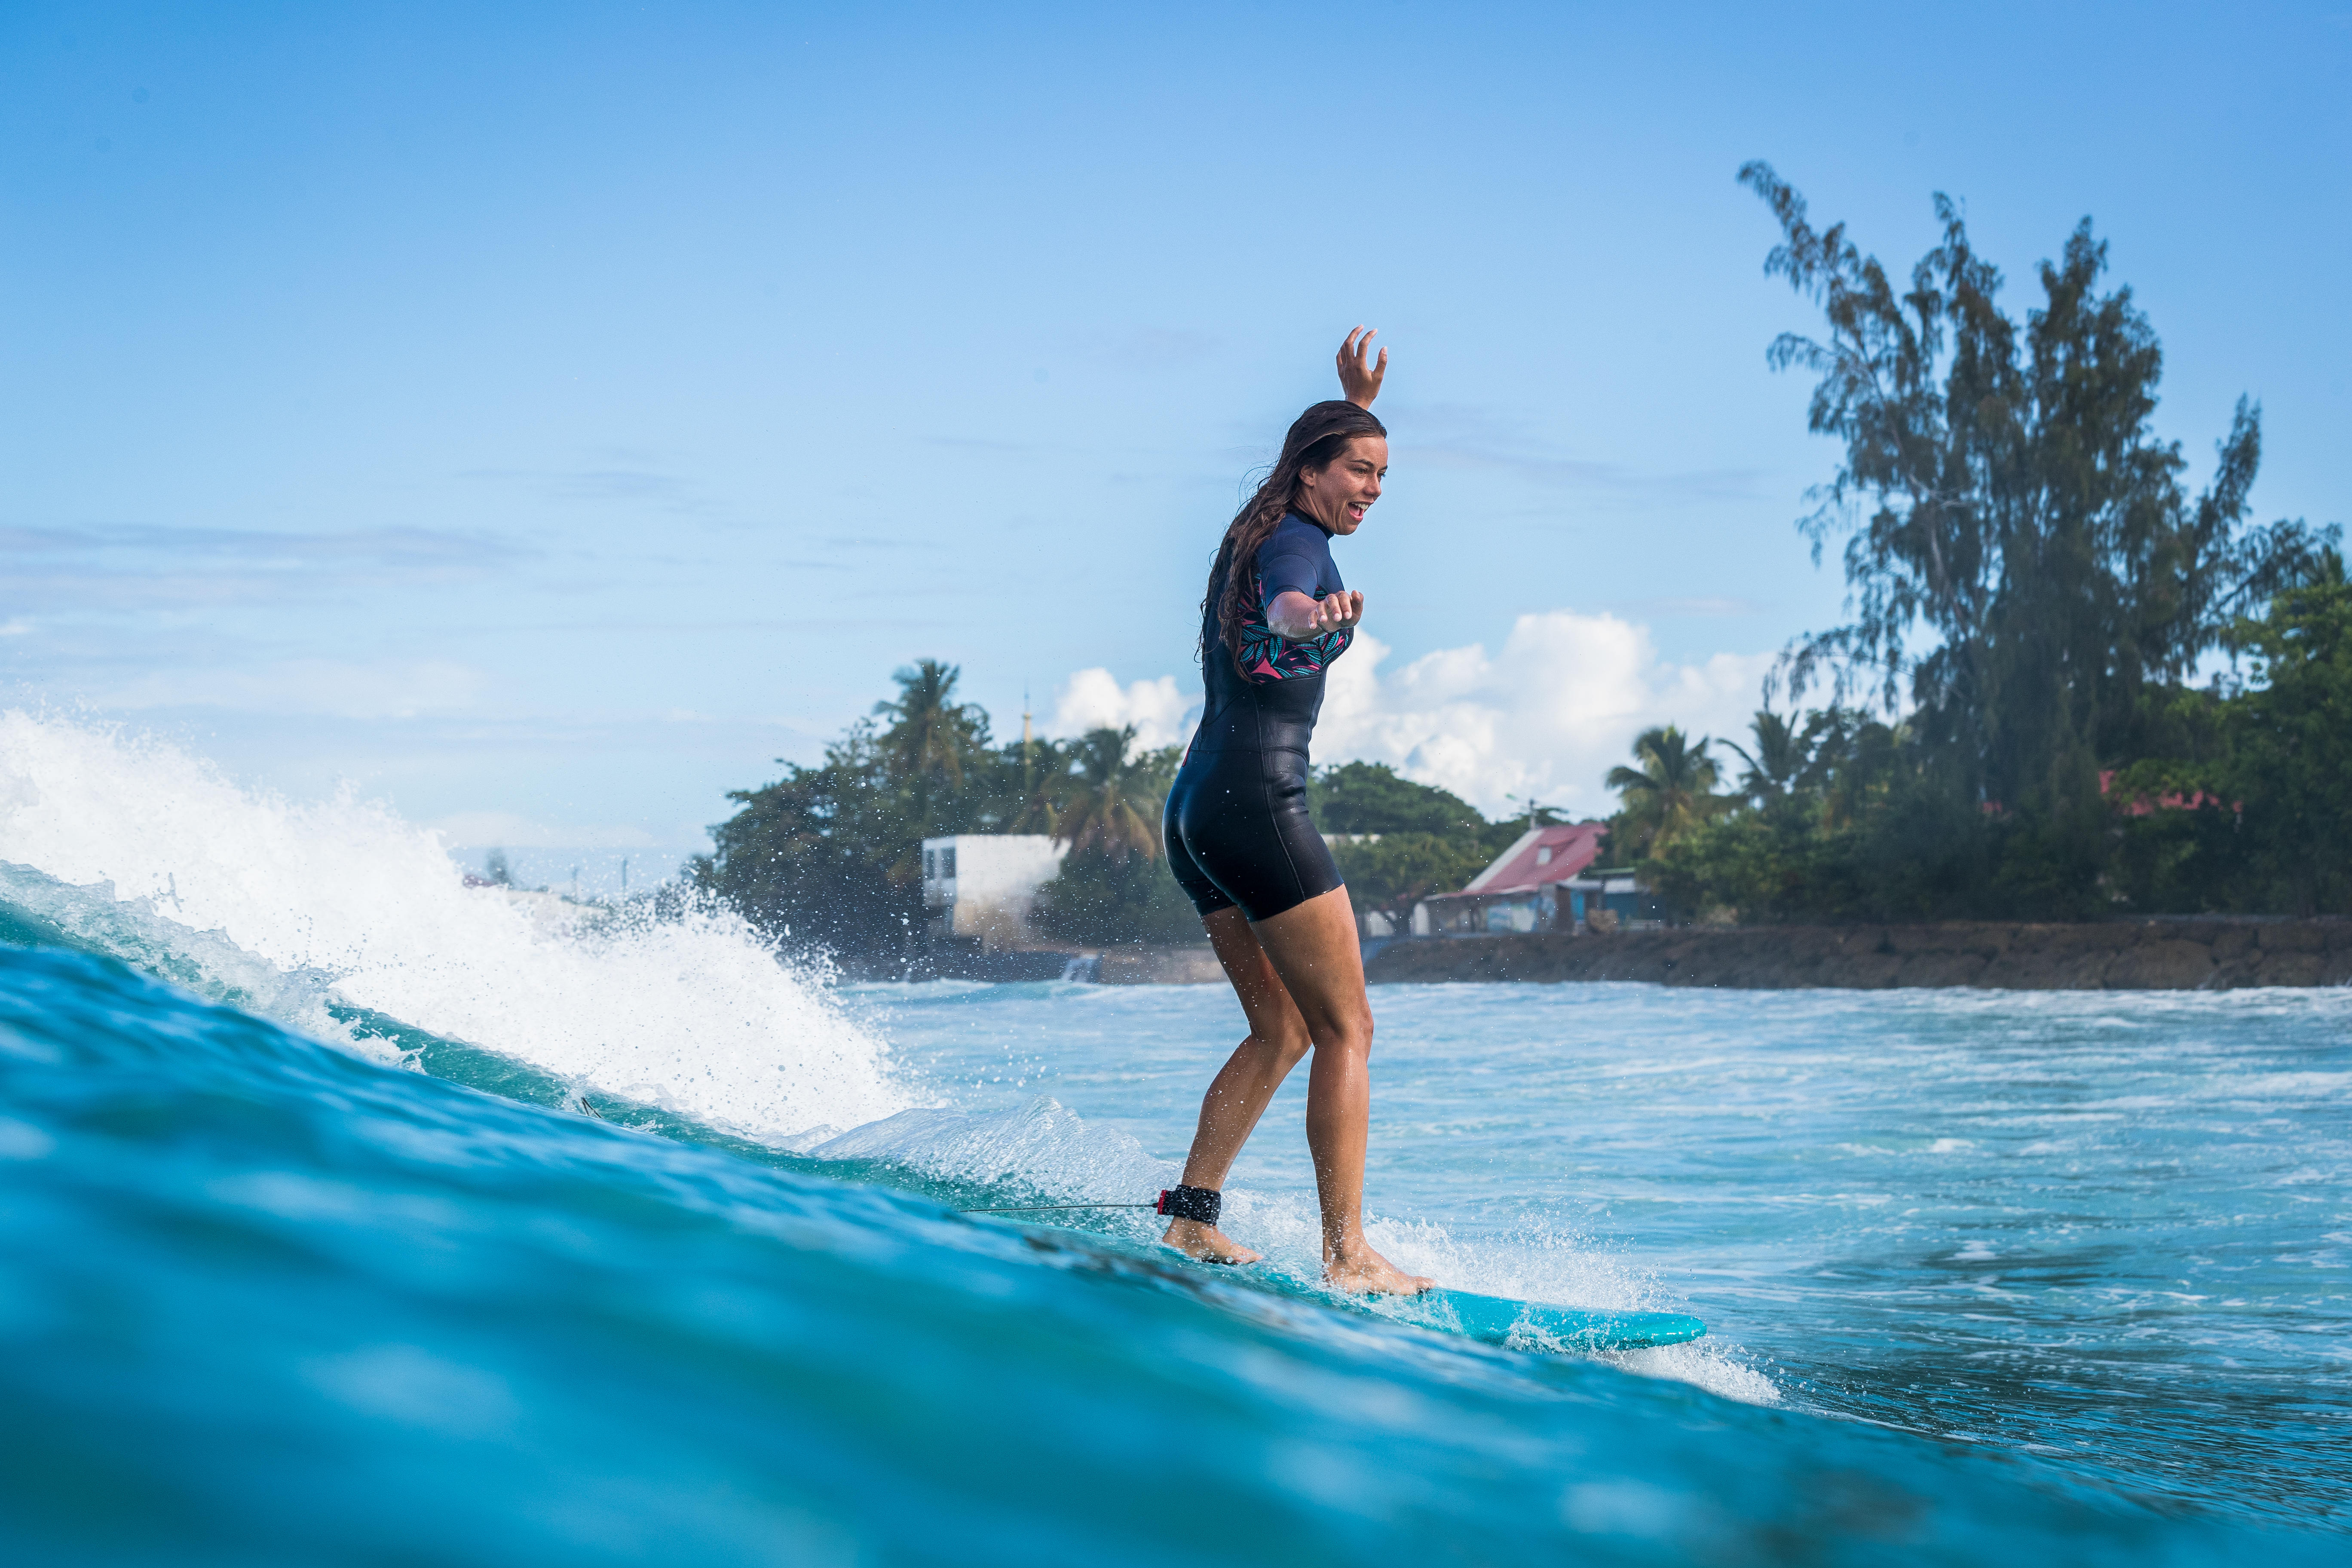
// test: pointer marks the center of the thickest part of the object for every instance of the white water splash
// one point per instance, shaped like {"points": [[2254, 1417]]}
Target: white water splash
{"points": [[694, 1015], [1041, 1150]]}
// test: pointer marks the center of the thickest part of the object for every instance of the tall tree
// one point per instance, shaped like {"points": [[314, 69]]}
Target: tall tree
{"points": [[931, 739], [1371, 797], [2003, 492], [820, 855], [2293, 747], [1781, 755], [1111, 809], [1671, 793]]}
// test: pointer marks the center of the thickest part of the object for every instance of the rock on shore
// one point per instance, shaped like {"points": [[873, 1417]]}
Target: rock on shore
{"points": [[2148, 955]]}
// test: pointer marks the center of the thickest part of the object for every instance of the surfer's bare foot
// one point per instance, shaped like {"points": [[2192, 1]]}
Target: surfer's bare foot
{"points": [[1205, 1242], [1363, 1272]]}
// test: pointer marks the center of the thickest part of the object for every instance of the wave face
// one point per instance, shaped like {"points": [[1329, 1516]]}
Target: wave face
{"points": [[693, 1015], [263, 1300]]}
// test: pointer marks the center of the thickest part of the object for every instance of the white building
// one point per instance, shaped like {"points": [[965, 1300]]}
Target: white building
{"points": [[983, 885]]}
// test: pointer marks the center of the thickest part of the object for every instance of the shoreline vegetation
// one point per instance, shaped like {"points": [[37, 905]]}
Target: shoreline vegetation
{"points": [[830, 855], [2069, 688], [2069, 691]]}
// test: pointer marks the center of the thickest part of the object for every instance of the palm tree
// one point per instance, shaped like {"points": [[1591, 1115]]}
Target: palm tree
{"points": [[930, 734], [1781, 756], [1109, 810], [1673, 791], [1039, 808]]}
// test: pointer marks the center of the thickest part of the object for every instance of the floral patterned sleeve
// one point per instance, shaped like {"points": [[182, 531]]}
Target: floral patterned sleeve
{"points": [[1264, 652]]}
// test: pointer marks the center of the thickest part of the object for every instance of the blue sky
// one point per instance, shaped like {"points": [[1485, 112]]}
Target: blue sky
{"points": [[545, 417]]}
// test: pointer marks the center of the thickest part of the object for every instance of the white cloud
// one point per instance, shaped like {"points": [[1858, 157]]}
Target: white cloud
{"points": [[1548, 716], [1093, 700]]}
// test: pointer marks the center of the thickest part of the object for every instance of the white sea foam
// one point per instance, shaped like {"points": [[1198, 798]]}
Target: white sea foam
{"points": [[696, 1014], [1041, 1150], [1567, 1272], [1706, 1364]]}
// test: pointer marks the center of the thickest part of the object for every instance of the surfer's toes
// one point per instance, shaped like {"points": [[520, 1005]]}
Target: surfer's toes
{"points": [[1206, 1243]]}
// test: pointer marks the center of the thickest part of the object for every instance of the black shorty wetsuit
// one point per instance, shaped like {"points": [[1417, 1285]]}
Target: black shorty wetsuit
{"points": [[1236, 824]]}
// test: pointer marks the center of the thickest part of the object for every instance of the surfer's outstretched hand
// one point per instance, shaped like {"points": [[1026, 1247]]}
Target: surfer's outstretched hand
{"points": [[1360, 373], [1367, 1273], [1206, 1243]]}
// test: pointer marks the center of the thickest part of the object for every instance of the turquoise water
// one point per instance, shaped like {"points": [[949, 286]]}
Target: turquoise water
{"points": [[399, 1223], [2112, 1231]]}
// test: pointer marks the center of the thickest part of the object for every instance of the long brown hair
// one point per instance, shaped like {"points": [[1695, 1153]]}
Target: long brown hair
{"points": [[1316, 440]]}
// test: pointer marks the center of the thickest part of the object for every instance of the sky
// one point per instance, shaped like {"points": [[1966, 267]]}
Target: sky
{"points": [[545, 418]]}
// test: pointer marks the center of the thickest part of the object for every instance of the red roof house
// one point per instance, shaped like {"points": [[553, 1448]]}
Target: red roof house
{"points": [[1519, 891]]}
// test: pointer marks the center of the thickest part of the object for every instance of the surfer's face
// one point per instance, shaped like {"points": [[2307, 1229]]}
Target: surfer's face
{"points": [[1338, 494]]}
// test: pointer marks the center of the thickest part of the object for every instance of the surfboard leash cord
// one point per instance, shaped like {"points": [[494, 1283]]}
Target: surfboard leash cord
{"points": [[1043, 1207], [1203, 1204]]}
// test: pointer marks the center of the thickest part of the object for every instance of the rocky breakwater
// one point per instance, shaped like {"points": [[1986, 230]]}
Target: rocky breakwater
{"points": [[2116, 955], [1190, 965]]}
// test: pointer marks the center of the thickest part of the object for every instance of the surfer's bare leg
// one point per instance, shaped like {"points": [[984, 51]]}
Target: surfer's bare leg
{"points": [[1314, 949], [1245, 1085]]}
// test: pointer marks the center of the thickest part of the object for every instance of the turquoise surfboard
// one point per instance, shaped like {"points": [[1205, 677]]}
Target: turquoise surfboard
{"points": [[1539, 1325]]}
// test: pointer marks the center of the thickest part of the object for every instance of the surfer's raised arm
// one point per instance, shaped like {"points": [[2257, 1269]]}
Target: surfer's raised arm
{"points": [[1360, 373], [1334, 497]]}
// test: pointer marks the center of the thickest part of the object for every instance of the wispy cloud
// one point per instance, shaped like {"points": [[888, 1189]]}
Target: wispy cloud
{"points": [[134, 566], [1705, 606], [328, 688], [673, 492], [1463, 437]]}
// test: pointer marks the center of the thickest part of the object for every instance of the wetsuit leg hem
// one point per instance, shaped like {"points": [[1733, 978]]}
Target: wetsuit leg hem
{"points": [[1209, 903], [1265, 912]]}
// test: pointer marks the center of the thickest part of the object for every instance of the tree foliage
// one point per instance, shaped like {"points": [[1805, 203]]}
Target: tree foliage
{"points": [[823, 854], [1668, 796], [1373, 797], [830, 854], [1401, 841], [2287, 771], [1397, 870], [2241, 802], [1110, 798], [2022, 559], [2032, 586], [932, 738]]}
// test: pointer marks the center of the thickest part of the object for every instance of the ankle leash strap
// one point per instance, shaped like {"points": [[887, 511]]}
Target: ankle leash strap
{"points": [[1202, 1204]]}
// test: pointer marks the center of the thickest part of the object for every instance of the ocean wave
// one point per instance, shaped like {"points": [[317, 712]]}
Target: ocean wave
{"points": [[694, 1013]]}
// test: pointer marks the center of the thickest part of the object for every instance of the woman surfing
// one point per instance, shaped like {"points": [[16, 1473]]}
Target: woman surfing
{"points": [[1242, 845]]}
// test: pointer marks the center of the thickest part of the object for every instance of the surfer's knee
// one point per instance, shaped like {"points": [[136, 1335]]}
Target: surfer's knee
{"points": [[1350, 1032], [1290, 1046]]}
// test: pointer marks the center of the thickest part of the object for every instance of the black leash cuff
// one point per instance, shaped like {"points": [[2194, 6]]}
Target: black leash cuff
{"points": [[1202, 1204]]}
